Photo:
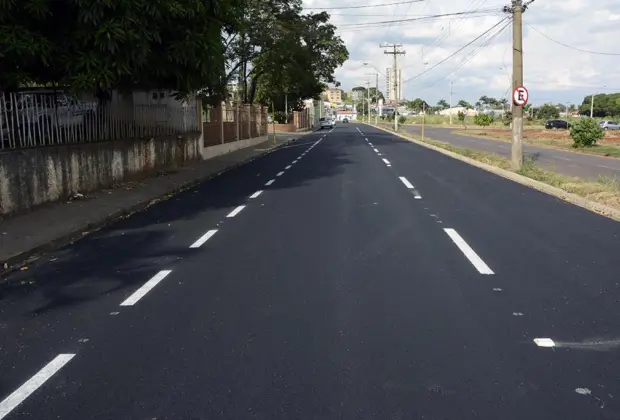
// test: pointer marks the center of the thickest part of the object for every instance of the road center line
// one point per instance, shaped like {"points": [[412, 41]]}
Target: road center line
{"points": [[406, 182], [34, 383], [235, 211], [376, 150], [294, 162], [469, 253], [288, 167], [280, 173], [146, 287], [387, 162], [204, 238], [256, 194], [271, 181], [563, 158]]}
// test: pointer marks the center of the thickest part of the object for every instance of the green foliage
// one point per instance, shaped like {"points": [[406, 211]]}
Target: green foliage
{"points": [[586, 133], [547, 112], [417, 105], [483, 120], [464, 104], [279, 117], [461, 116], [507, 118], [443, 104], [605, 105], [106, 44], [402, 119]]}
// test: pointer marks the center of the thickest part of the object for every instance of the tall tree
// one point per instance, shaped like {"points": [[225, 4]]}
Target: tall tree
{"points": [[105, 44], [463, 103], [443, 104]]}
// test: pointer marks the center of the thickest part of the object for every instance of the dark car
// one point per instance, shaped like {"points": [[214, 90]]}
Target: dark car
{"points": [[346, 120], [557, 125]]}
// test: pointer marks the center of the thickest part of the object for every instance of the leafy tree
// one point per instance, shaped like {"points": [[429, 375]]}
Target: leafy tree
{"points": [[507, 118], [461, 116], [463, 103], [402, 119], [605, 105], [417, 105], [483, 120], [586, 133], [547, 112], [98, 45], [443, 104]]}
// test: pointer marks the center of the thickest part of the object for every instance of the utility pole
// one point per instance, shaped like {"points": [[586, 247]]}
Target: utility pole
{"points": [[517, 8], [368, 100], [450, 103], [395, 52], [592, 107], [376, 96]]}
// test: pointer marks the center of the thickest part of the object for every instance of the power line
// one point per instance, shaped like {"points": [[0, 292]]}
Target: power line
{"points": [[471, 55], [459, 50], [569, 46], [428, 17], [363, 6]]}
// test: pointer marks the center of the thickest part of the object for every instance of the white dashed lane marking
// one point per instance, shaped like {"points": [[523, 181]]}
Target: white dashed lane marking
{"points": [[271, 181], [406, 182], [235, 211], [146, 287], [280, 173], [471, 255], [34, 383], [544, 342], [204, 238], [256, 194]]}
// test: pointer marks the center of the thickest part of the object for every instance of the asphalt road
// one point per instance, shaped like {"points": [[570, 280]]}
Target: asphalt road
{"points": [[371, 279], [567, 163]]}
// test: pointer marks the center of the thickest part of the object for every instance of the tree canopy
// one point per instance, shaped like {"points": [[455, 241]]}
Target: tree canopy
{"points": [[605, 105], [184, 46]]}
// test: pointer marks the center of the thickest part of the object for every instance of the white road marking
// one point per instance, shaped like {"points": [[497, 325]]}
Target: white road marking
{"points": [[386, 161], [469, 253], [370, 144], [34, 383], [607, 167], [204, 238], [146, 287], [256, 194], [288, 167], [563, 158], [406, 182], [418, 197], [271, 181], [375, 150], [294, 162], [365, 139], [280, 173], [235, 211], [544, 342]]}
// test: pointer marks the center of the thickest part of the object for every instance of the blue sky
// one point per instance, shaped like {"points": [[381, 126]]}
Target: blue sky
{"points": [[552, 72]]}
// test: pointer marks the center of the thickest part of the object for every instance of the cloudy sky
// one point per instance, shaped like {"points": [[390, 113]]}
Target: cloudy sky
{"points": [[552, 72]]}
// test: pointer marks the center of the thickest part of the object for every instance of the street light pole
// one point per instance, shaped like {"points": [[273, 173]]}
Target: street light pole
{"points": [[451, 102]]}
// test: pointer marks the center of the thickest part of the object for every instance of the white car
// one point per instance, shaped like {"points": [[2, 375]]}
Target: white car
{"points": [[327, 122], [609, 125]]}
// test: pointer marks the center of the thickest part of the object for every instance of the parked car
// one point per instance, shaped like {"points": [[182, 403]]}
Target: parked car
{"points": [[345, 120], [609, 125], [557, 124], [326, 122]]}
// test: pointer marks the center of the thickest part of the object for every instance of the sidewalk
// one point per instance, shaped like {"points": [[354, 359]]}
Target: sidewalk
{"points": [[26, 236]]}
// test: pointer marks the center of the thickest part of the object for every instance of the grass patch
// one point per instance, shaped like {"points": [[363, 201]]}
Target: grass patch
{"points": [[604, 190]]}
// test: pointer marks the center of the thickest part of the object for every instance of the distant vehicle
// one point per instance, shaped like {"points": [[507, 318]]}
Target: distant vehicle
{"points": [[326, 122], [557, 124], [345, 120], [609, 125]]}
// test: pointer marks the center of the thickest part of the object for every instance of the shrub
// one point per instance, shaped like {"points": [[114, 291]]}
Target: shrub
{"points": [[586, 132], [483, 120], [402, 119], [507, 118], [279, 117], [461, 116]]}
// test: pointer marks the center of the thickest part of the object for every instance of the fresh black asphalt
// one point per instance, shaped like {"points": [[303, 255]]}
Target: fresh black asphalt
{"points": [[334, 294], [566, 163]]}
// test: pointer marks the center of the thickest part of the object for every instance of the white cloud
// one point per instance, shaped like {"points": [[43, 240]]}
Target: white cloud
{"points": [[552, 72]]}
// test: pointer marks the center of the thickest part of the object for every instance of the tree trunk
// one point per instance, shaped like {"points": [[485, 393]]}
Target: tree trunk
{"points": [[253, 87]]}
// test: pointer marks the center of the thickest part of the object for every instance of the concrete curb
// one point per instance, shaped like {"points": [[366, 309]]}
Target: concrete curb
{"points": [[577, 200], [18, 260]]}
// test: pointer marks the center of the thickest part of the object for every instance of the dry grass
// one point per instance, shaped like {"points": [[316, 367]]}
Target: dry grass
{"points": [[604, 190]]}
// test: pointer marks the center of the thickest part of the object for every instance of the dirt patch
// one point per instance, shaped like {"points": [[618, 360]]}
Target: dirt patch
{"points": [[610, 136]]}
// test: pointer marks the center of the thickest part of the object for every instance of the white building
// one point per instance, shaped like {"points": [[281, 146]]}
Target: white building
{"points": [[394, 91], [455, 111]]}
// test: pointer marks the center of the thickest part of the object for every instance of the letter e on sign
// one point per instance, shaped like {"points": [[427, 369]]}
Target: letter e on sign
{"points": [[520, 96]]}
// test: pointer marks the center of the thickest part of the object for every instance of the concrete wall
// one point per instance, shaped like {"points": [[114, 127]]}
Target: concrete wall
{"points": [[35, 176], [222, 149]]}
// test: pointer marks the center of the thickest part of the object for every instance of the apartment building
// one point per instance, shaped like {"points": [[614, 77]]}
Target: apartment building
{"points": [[333, 95], [394, 85]]}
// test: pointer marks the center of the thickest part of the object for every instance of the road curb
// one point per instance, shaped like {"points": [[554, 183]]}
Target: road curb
{"points": [[575, 199], [20, 259]]}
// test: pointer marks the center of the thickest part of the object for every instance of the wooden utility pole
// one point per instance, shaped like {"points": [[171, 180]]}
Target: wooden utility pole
{"points": [[395, 52]]}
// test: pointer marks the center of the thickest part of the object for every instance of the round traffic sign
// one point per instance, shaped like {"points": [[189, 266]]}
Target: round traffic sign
{"points": [[520, 96]]}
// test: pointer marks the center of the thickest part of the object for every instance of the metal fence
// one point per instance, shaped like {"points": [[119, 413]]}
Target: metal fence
{"points": [[51, 118]]}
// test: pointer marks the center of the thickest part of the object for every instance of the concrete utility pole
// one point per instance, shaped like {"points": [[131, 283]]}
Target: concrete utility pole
{"points": [[368, 100], [451, 83], [516, 9], [376, 95], [395, 52]]}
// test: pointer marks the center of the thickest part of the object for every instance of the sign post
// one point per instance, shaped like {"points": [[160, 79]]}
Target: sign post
{"points": [[520, 96]]}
